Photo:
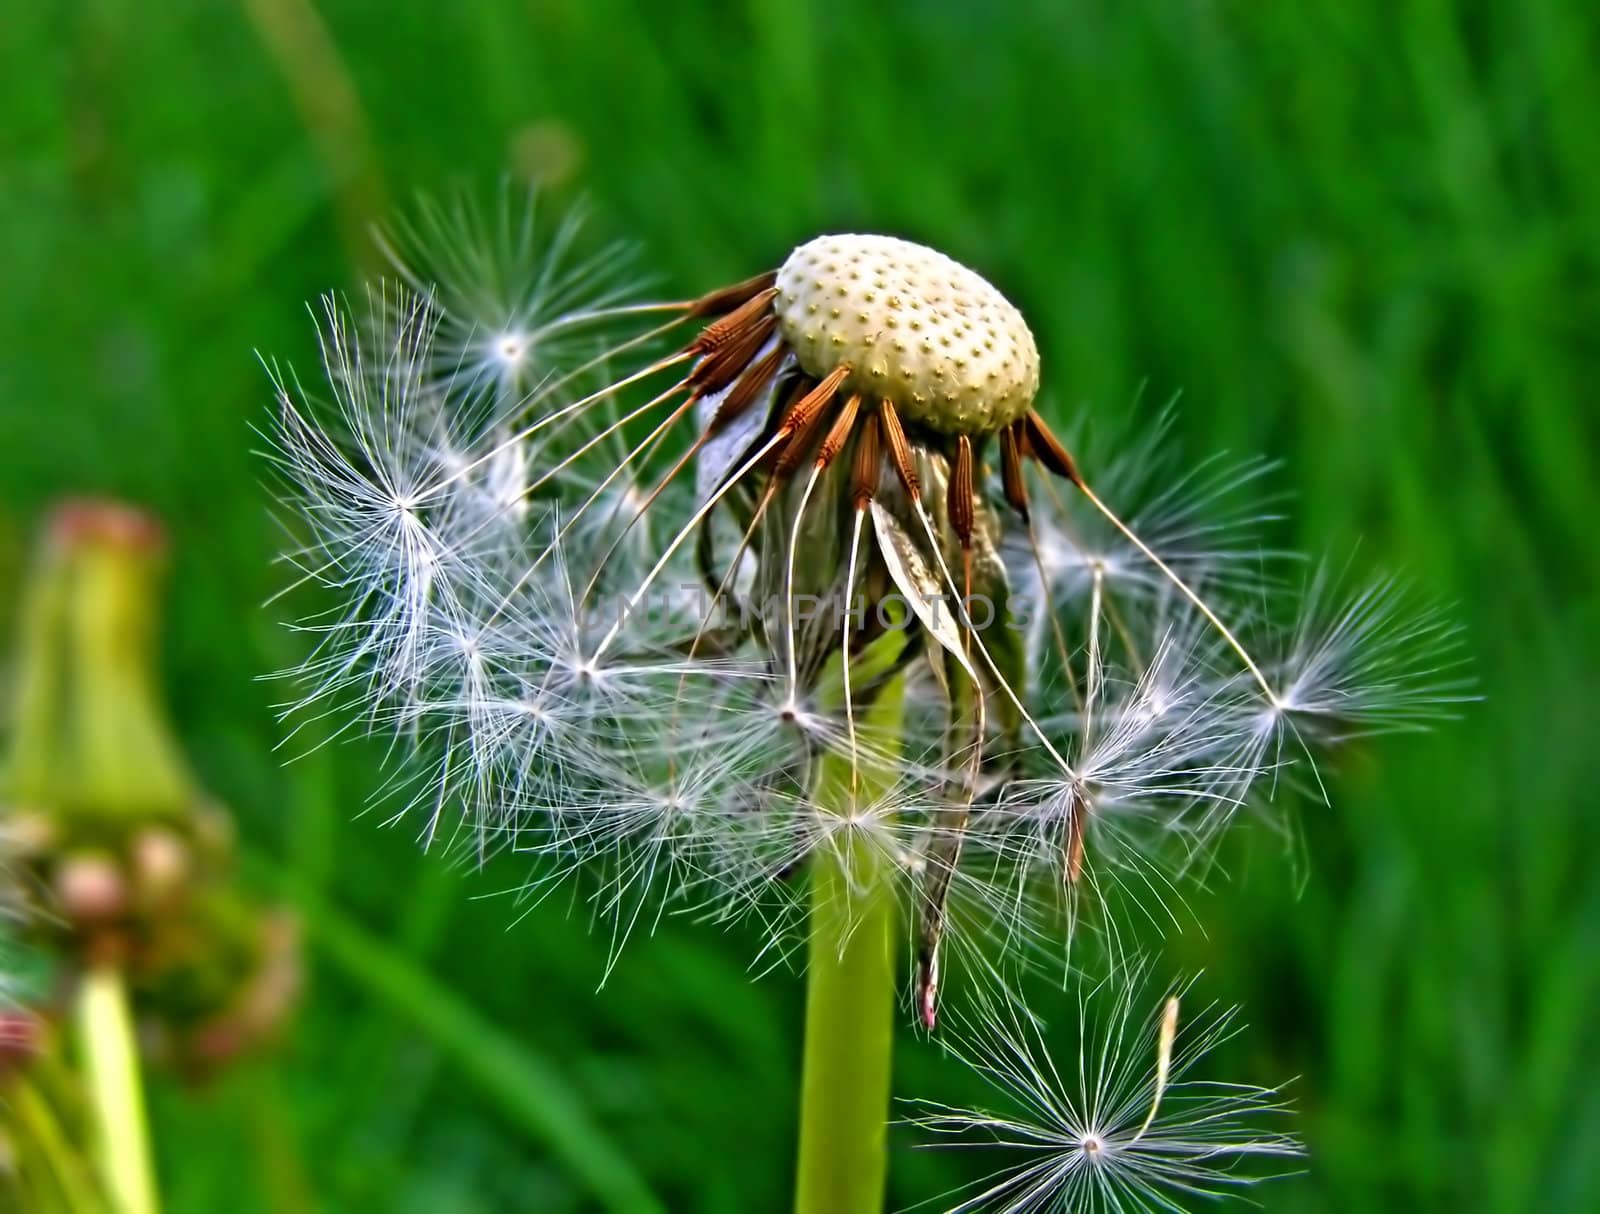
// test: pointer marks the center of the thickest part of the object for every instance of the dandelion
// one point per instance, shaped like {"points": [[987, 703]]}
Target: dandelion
{"points": [[809, 616], [115, 870], [1123, 1122]]}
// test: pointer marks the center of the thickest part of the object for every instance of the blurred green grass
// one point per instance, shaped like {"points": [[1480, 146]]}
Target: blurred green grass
{"points": [[1360, 237]]}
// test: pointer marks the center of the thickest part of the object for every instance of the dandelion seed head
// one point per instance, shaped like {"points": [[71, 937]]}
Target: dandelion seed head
{"points": [[596, 594]]}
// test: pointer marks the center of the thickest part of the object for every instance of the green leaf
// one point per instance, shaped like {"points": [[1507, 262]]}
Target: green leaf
{"points": [[508, 1071]]}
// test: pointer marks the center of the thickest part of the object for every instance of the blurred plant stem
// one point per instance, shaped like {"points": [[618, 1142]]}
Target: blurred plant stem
{"points": [[110, 1059], [849, 1035], [55, 1175], [307, 56]]}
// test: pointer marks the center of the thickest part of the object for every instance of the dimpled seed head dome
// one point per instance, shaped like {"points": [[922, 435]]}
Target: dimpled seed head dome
{"points": [[916, 328]]}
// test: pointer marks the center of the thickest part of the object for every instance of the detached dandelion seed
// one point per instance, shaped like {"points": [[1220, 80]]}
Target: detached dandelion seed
{"points": [[1118, 1120]]}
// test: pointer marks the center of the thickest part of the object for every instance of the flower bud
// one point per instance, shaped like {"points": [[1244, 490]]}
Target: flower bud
{"points": [[161, 864], [90, 890]]}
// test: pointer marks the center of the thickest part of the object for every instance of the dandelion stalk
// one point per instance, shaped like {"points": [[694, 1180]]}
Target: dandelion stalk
{"points": [[111, 1073], [48, 1173], [849, 1036]]}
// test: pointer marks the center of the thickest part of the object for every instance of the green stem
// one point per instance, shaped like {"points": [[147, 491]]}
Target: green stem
{"points": [[111, 1072], [849, 1038], [48, 1161]]}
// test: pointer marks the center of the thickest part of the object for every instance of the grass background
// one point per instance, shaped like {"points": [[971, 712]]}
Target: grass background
{"points": [[1360, 237]]}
